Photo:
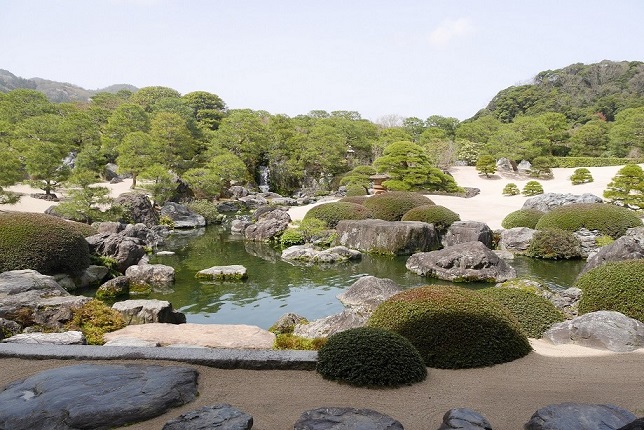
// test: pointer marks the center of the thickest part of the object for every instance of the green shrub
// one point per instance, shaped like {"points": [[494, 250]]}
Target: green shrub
{"points": [[332, 213], [370, 357], [581, 176], [95, 319], [438, 215], [511, 189], [291, 236], [453, 327], [542, 167], [206, 209], [593, 161], [532, 188], [85, 229], [392, 205], [554, 244], [355, 190], [522, 218], [290, 341], [534, 313], [355, 199], [609, 219], [615, 286], [41, 242]]}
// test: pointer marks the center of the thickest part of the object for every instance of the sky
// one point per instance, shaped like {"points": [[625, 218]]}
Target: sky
{"points": [[380, 58]]}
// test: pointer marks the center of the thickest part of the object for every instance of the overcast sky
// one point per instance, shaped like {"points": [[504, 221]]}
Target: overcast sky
{"points": [[405, 57]]}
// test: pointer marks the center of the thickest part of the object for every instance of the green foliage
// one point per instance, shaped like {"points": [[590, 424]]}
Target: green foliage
{"points": [[438, 215], [355, 199], [332, 213], [610, 220], [359, 176], [167, 221], [41, 242], [290, 341], [356, 190], [581, 176], [522, 218], [615, 286], [571, 162], [511, 189], [160, 183], [627, 187], [392, 205], [486, 165], [532, 188], [534, 313], [452, 327], [603, 240], [554, 244], [542, 167], [85, 203], [292, 236], [207, 209], [370, 357], [95, 319]]}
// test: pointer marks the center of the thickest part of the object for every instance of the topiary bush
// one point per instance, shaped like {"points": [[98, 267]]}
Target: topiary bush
{"points": [[354, 199], [581, 176], [438, 215], [511, 189], [453, 327], [532, 188], [616, 286], [370, 357], [609, 219], [392, 205], [356, 190], [534, 313], [554, 244], [522, 218], [43, 243], [332, 213]]}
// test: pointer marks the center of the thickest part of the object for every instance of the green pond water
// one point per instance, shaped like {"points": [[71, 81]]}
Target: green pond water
{"points": [[275, 287]]}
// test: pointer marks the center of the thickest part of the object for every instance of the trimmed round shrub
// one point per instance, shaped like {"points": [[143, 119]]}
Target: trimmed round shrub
{"points": [[609, 219], [581, 176], [522, 218], [85, 229], [453, 327], [532, 188], [616, 286], [535, 314], [334, 212], [392, 205], [44, 243], [355, 199], [438, 215], [356, 190], [554, 244], [370, 357], [511, 189]]}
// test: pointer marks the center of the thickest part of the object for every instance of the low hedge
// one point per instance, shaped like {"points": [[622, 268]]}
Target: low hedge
{"points": [[534, 313], [554, 244], [593, 161], [616, 286], [609, 219], [438, 215], [522, 218], [334, 212], [44, 243], [392, 205], [370, 357], [453, 327], [354, 199]]}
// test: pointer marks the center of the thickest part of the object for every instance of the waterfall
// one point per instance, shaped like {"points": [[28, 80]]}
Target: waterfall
{"points": [[263, 179]]}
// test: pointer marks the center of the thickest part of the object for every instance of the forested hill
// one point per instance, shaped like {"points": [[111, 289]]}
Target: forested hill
{"points": [[56, 92], [577, 91]]}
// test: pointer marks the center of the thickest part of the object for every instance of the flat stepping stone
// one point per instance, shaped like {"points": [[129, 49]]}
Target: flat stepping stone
{"points": [[64, 338], [566, 416], [220, 416], [233, 272], [95, 396], [345, 418]]}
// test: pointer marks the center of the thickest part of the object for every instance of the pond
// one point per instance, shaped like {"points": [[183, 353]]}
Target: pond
{"points": [[275, 287]]}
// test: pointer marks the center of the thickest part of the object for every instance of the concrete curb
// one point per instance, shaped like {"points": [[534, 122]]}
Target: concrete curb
{"points": [[212, 357]]}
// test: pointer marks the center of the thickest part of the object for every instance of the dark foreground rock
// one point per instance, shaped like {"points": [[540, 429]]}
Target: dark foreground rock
{"points": [[220, 416], [569, 416], [387, 237], [95, 396], [464, 419], [345, 418], [638, 424]]}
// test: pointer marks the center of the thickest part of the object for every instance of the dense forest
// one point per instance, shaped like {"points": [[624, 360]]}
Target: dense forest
{"points": [[157, 134]]}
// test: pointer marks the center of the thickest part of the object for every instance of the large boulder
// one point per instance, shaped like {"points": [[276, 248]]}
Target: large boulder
{"points": [[601, 330], [464, 419], [516, 239], [138, 208], [221, 416], [182, 216], [125, 250], [115, 287], [549, 201], [627, 247], [155, 275], [325, 327], [345, 418], [569, 416], [465, 262], [269, 225], [307, 253], [468, 231], [387, 237], [368, 292], [148, 311], [95, 396]]}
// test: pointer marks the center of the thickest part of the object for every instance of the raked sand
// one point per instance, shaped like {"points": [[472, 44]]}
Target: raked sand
{"points": [[506, 394]]}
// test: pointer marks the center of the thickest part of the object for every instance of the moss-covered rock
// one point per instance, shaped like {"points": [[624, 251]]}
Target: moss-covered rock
{"points": [[522, 218], [608, 219], [334, 212], [617, 286], [370, 357], [438, 215], [534, 313], [392, 205], [554, 244], [452, 327], [43, 243]]}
